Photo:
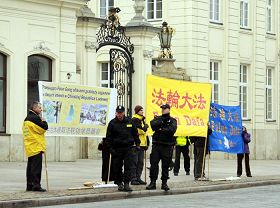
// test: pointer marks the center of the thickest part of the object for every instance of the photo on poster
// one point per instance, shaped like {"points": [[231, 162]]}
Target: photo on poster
{"points": [[94, 114], [52, 111]]}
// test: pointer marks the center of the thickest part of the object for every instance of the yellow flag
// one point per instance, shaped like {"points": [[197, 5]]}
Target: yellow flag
{"points": [[189, 101]]}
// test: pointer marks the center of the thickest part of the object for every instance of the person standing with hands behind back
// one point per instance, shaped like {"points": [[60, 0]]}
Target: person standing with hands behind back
{"points": [[34, 128], [246, 139]]}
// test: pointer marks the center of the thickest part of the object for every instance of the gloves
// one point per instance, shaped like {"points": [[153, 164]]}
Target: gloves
{"points": [[112, 151], [138, 148], [145, 148], [146, 126]]}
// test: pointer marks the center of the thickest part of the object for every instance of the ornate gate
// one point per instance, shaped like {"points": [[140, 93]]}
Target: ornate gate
{"points": [[121, 62]]}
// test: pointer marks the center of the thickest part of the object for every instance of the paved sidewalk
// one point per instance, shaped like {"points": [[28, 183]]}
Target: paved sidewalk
{"points": [[63, 175]]}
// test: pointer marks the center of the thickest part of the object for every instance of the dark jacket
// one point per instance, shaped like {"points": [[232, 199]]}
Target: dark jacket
{"points": [[121, 134], [247, 139], [164, 128], [35, 118], [200, 141]]}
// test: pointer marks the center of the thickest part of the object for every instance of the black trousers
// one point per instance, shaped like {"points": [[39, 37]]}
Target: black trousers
{"points": [[239, 164], [185, 151], [198, 162], [163, 153], [139, 164], [34, 171], [123, 158], [105, 165]]}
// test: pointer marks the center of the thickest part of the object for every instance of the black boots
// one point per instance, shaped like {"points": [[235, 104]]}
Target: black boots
{"points": [[151, 186], [164, 186]]}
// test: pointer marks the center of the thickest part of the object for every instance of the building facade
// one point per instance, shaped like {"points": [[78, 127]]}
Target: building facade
{"points": [[232, 44]]}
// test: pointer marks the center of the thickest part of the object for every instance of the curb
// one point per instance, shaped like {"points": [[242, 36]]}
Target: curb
{"points": [[122, 195]]}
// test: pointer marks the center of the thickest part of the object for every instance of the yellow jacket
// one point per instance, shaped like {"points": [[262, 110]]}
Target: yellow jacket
{"points": [[34, 138], [137, 119]]}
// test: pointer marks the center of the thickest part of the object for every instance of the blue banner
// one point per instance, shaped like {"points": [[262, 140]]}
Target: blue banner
{"points": [[226, 125]]}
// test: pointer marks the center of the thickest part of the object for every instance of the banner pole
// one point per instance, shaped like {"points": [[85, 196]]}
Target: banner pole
{"points": [[203, 163], [208, 166], [145, 166], [46, 168], [109, 169]]}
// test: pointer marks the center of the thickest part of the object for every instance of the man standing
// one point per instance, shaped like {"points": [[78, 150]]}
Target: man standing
{"points": [[164, 128], [121, 136], [182, 146], [34, 128], [139, 121]]}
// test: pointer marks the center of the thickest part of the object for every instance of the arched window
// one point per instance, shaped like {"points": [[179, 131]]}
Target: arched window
{"points": [[3, 81], [39, 69]]}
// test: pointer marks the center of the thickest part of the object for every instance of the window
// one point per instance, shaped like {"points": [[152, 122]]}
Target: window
{"points": [[244, 13], [214, 79], [39, 69], [154, 9], [243, 90], [105, 5], [105, 75], [269, 16], [3, 81], [269, 94], [215, 10]]}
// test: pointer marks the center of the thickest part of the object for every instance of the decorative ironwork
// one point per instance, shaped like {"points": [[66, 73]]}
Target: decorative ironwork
{"points": [[121, 63], [112, 33], [121, 77]]}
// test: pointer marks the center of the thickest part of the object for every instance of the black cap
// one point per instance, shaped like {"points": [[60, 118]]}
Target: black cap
{"points": [[120, 109], [165, 106]]}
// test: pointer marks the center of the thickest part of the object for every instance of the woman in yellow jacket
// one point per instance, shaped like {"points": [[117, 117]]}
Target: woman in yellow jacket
{"points": [[33, 129], [139, 121]]}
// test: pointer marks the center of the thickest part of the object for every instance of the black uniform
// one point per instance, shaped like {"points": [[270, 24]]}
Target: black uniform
{"points": [[121, 136], [164, 128]]}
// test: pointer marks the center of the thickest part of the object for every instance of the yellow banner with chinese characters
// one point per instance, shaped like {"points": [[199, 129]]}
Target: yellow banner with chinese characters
{"points": [[76, 110], [189, 101]]}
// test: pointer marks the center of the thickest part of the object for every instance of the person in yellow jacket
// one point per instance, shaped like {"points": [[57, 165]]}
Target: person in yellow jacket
{"points": [[139, 121], [182, 146], [33, 129]]}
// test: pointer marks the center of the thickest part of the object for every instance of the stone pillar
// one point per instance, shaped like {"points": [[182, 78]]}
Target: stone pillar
{"points": [[141, 34], [141, 37]]}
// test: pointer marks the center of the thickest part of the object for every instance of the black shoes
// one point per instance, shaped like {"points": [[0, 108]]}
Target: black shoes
{"points": [[151, 186], [135, 182], [120, 187], [141, 182], [39, 189], [188, 173], [164, 186], [127, 188]]}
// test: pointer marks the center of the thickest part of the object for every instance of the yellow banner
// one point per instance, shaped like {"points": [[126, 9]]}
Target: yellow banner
{"points": [[75, 110], [189, 101]]}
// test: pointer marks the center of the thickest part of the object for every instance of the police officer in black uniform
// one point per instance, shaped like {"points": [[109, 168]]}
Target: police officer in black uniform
{"points": [[121, 136], [164, 128]]}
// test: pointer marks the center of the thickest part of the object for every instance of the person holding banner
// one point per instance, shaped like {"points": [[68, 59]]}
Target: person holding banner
{"points": [[164, 128], [200, 150], [246, 139], [121, 136], [139, 121], [33, 129], [182, 146]]}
